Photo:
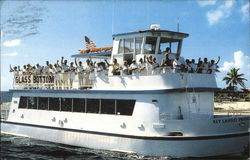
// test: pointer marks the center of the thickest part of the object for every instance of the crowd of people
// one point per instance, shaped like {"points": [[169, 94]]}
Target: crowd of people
{"points": [[64, 74]]}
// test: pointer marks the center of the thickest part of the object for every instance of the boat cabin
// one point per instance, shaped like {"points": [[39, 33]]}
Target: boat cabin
{"points": [[136, 45]]}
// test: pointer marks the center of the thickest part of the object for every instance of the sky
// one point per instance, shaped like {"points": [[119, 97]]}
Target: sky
{"points": [[38, 31]]}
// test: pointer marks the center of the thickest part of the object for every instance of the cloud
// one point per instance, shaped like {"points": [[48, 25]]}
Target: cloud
{"points": [[13, 54], [203, 3], [12, 43], [245, 11], [240, 61], [223, 11]]}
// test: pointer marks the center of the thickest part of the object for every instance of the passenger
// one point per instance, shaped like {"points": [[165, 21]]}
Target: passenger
{"points": [[205, 66], [199, 66], [168, 51], [65, 70], [19, 69], [38, 69], [28, 69], [50, 72], [213, 66], [187, 67], [14, 70], [88, 68], [149, 62], [155, 66], [80, 72], [32, 69], [176, 65], [193, 66], [133, 67], [24, 70], [46, 68], [166, 64], [99, 67], [142, 66], [116, 67], [125, 68], [71, 74], [57, 72]]}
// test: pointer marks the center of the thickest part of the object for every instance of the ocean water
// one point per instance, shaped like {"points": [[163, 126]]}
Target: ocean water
{"points": [[16, 148]]}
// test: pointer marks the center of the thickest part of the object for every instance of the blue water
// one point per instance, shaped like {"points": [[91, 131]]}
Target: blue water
{"points": [[15, 148]]}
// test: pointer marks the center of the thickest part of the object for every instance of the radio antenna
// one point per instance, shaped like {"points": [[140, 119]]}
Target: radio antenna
{"points": [[178, 25]]}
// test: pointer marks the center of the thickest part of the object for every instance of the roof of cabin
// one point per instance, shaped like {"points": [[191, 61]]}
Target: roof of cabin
{"points": [[102, 55], [183, 35]]}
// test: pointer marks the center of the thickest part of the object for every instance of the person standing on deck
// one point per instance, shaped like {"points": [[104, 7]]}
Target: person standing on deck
{"points": [[213, 66], [133, 67], [57, 73], [65, 69], [193, 66], [155, 66], [205, 66], [88, 68], [176, 65], [115, 67], [80, 73], [46, 68], [142, 66], [71, 74]]}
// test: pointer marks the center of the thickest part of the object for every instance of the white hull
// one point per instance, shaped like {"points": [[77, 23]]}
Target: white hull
{"points": [[169, 146]]}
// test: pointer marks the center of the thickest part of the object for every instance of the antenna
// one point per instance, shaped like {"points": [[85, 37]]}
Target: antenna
{"points": [[178, 25]]}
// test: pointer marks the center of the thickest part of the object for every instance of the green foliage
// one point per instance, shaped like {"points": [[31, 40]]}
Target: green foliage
{"points": [[233, 78]]}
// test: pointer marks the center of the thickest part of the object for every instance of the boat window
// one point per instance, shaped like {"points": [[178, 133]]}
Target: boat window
{"points": [[93, 105], [107, 106], [166, 42], [78, 105], [138, 43], [126, 46], [32, 102], [54, 104], [150, 45], [66, 104], [43, 103], [129, 46], [121, 46], [23, 102], [125, 107], [99, 106]]}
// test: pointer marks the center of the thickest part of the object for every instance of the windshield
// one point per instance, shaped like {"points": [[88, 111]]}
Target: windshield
{"points": [[150, 45]]}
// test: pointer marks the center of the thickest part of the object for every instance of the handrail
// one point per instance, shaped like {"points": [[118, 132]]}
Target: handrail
{"points": [[75, 80]]}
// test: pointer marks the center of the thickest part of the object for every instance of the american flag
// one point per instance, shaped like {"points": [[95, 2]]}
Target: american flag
{"points": [[89, 43]]}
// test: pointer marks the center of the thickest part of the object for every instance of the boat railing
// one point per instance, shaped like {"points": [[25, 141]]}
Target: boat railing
{"points": [[77, 80]]}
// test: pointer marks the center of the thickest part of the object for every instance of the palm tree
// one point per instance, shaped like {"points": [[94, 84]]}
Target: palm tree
{"points": [[234, 78]]}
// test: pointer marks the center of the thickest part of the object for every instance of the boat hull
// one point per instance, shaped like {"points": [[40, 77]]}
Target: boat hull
{"points": [[167, 146]]}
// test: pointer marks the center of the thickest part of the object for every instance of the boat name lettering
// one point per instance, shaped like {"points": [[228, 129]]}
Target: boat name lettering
{"points": [[34, 79], [230, 120]]}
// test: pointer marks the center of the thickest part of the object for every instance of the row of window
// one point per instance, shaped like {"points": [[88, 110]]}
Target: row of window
{"points": [[133, 45], [102, 106]]}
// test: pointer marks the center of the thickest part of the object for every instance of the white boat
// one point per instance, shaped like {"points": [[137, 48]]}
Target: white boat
{"points": [[157, 112]]}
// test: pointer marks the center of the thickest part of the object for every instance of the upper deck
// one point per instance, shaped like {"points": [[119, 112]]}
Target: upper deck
{"points": [[127, 47]]}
